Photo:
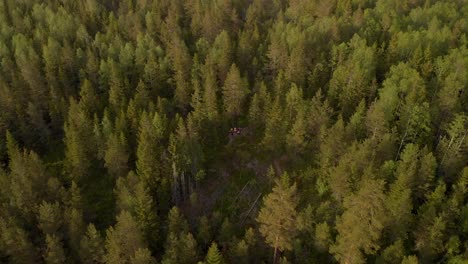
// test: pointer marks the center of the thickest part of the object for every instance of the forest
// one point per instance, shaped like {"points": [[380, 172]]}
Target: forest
{"points": [[233, 131]]}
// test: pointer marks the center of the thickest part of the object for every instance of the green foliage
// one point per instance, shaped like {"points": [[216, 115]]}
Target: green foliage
{"points": [[91, 246], [234, 92], [16, 244], [213, 256], [142, 256], [114, 112], [116, 155], [278, 216], [50, 218], [54, 253], [360, 226], [79, 141], [123, 240]]}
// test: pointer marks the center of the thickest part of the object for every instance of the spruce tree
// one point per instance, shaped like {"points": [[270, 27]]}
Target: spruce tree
{"points": [[234, 92], [79, 142], [210, 98], [50, 218], [145, 212], [296, 138], [360, 226], [123, 240], [149, 163], [16, 243], [88, 99], [116, 155], [214, 256], [54, 253], [92, 246], [142, 256], [278, 216]]}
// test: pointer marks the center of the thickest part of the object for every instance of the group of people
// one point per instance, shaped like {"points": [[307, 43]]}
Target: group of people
{"points": [[235, 131]]}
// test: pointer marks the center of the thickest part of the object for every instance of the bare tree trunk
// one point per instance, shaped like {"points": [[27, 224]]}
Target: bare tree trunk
{"points": [[274, 255], [461, 142], [446, 150], [275, 251], [403, 139]]}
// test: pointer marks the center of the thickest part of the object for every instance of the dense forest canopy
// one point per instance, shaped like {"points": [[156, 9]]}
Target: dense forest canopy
{"points": [[233, 131]]}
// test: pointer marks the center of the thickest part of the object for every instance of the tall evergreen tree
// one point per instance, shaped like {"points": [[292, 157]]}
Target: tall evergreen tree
{"points": [[214, 256], [234, 92], [116, 155], [54, 253], [149, 164], [123, 240], [79, 141], [360, 226], [142, 256], [278, 216], [92, 246]]}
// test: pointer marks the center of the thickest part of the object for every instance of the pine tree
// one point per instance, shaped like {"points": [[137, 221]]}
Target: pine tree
{"points": [[117, 89], [88, 98], [240, 252], [297, 66], [214, 256], [180, 249], [180, 245], [275, 128], [410, 260], [393, 253], [142, 256], [79, 142], [123, 240], [234, 92], [151, 72], [29, 67], [210, 98], [116, 155], [177, 222], [278, 216], [142, 96], [360, 226], [54, 253], [16, 243], [356, 126], [226, 232], [430, 233], [255, 112], [149, 162], [221, 55], [188, 248], [278, 48], [50, 218], [75, 228], [27, 179], [145, 211], [295, 140], [92, 246], [181, 61], [204, 231]]}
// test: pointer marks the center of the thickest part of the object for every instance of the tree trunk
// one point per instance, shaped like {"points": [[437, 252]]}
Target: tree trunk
{"points": [[404, 137], [274, 255], [275, 250]]}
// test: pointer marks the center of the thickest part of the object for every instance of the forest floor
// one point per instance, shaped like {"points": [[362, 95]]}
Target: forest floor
{"points": [[234, 185]]}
